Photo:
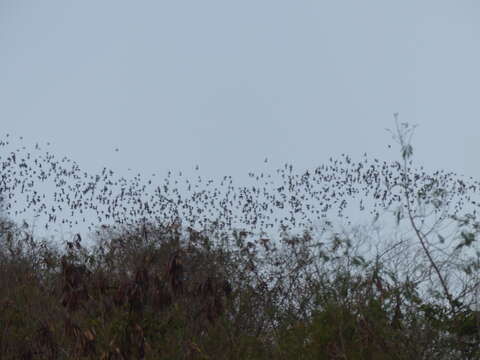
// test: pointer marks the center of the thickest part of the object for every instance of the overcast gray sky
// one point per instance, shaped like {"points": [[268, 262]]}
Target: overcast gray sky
{"points": [[224, 84]]}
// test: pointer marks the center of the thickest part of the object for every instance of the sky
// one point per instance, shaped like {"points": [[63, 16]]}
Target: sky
{"points": [[225, 84]]}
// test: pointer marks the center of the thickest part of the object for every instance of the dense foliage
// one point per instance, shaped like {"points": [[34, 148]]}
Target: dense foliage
{"points": [[154, 286]]}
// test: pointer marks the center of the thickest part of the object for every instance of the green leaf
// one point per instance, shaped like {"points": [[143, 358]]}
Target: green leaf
{"points": [[407, 151], [468, 237], [399, 216]]}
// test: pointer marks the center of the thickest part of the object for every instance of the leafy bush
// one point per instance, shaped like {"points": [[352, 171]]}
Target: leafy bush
{"points": [[161, 289]]}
